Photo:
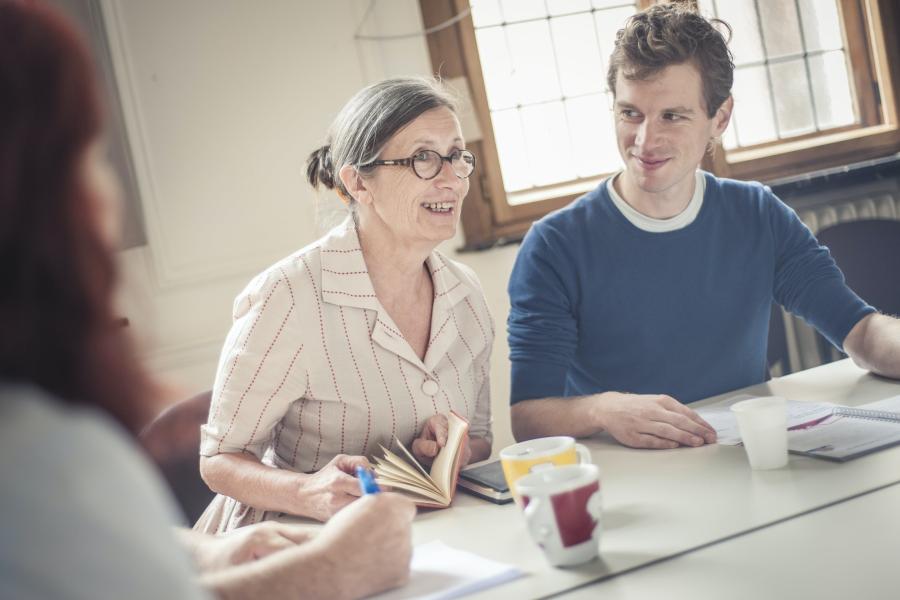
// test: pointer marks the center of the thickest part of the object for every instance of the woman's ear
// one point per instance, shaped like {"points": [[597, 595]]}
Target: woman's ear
{"points": [[355, 184]]}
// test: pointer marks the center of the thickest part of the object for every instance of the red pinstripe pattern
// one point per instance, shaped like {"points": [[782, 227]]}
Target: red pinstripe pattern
{"points": [[340, 293], [333, 272], [462, 393], [445, 292], [315, 465], [244, 345], [387, 390], [412, 399], [435, 336], [259, 367], [391, 329], [477, 320], [446, 397], [468, 349], [337, 389], [306, 397], [362, 383], [276, 439], [272, 395]]}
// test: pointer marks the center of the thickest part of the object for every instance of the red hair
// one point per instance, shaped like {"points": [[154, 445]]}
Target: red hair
{"points": [[57, 275]]}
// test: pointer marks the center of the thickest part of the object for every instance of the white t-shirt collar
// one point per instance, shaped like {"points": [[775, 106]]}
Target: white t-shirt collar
{"points": [[645, 223]]}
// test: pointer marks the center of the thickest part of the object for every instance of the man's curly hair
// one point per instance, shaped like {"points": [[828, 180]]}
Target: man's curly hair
{"points": [[673, 34]]}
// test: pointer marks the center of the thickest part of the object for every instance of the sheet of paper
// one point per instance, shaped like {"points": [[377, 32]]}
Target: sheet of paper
{"points": [[439, 572], [719, 415], [891, 404]]}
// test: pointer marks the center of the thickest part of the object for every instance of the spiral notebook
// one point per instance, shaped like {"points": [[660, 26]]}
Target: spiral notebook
{"points": [[850, 432]]}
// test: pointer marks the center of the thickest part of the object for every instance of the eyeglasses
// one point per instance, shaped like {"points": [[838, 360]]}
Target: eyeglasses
{"points": [[426, 164]]}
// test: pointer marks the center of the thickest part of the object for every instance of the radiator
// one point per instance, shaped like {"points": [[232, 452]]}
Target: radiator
{"points": [[879, 199]]}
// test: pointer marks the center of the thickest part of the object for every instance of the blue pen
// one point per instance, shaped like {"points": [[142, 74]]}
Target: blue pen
{"points": [[366, 481]]}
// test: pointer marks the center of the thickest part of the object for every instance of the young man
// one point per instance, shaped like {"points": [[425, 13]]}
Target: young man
{"points": [[661, 280]]}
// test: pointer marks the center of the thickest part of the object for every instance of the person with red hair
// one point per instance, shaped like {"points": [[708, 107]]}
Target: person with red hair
{"points": [[83, 512]]}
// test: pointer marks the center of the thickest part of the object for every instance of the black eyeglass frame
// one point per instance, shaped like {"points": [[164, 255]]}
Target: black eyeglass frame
{"points": [[410, 162]]}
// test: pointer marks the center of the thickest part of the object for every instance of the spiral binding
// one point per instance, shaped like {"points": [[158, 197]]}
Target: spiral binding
{"points": [[865, 413]]}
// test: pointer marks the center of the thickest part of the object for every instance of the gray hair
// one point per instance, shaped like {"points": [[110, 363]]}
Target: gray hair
{"points": [[368, 121]]}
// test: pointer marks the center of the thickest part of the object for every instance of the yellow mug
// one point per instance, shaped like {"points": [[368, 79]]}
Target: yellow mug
{"points": [[523, 458]]}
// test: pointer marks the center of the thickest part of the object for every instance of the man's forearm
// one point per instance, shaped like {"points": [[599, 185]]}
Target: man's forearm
{"points": [[577, 416], [305, 571], [874, 344]]}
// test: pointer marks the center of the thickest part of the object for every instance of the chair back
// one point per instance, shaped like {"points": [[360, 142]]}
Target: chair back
{"points": [[868, 253], [172, 440]]}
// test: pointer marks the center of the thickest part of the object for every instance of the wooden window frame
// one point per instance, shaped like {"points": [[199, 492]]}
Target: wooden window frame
{"points": [[488, 218]]}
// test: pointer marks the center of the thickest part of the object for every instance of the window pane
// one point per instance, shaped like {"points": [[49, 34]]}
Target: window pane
{"points": [[496, 67], [577, 55], [486, 12], [594, 137], [753, 119], [745, 43], [608, 22], [534, 70], [821, 25], [548, 142], [518, 10], [610, 3], [562, 7], [831, 89], [781, 28], [793, 106], [729, 138], [511, 148]]}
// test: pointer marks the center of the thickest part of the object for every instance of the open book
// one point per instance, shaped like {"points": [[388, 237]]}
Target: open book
{"points": [[403, 473]]}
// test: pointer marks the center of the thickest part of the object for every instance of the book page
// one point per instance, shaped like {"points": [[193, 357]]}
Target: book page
{"points": [[393, 470], [890, 405], [439, 571], [446, 463]]}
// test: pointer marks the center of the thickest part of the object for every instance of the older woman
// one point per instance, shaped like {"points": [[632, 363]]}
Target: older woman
{"points": [[366, 335]]}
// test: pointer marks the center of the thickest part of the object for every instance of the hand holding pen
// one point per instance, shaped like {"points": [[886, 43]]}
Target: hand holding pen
{"points": [[367, 483]]}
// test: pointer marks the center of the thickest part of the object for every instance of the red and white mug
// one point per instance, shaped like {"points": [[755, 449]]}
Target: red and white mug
{"points": [[563, 506]]}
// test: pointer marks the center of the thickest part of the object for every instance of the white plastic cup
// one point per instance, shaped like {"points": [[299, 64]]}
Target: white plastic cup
{"points": [[763, 426]]}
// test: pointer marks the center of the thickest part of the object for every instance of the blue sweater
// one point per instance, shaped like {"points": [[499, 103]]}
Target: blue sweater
{"points": [[598, 304]]}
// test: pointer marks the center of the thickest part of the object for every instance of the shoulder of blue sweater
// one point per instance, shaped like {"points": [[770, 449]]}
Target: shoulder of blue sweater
{"points": [[725, 184], [573, 213]]}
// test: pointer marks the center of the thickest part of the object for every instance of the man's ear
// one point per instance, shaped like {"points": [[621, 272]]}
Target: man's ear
{"points": [[723, 117], [355, 184]]}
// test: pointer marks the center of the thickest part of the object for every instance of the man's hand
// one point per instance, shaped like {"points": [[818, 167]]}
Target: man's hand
{"points": [[651, 421], [328, 490], [369, 544]]}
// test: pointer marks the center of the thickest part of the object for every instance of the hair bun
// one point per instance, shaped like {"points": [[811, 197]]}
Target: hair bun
{"points": [[319, 168]]}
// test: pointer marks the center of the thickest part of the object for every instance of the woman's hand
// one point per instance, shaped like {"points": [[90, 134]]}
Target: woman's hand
{"points": [[328, 490], [432, 438]]}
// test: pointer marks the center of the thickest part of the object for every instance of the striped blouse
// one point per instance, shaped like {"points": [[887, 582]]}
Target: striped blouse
{"points": [[314, 366]]}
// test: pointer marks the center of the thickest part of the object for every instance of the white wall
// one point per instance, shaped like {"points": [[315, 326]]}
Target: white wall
{"points": [[223, 101]]}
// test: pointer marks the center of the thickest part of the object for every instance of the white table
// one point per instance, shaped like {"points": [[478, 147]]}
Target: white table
{"points": [[660, 504], [848, 550]]}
